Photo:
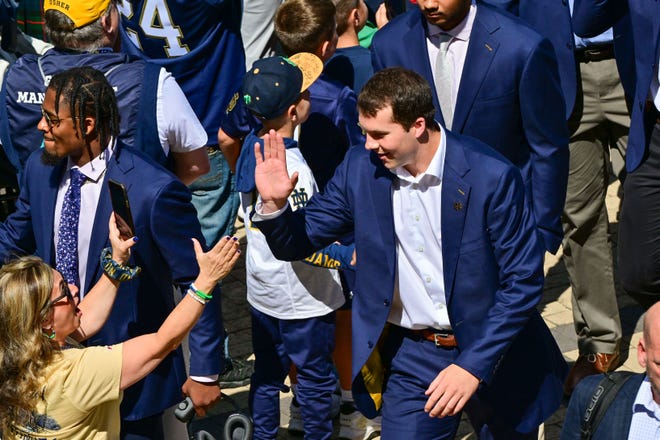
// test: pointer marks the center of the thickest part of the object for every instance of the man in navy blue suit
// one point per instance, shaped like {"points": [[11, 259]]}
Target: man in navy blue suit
{"points": [[639, 225], [634, 413], [449, 270], [80, 125], [496, 80], [598, 121]]}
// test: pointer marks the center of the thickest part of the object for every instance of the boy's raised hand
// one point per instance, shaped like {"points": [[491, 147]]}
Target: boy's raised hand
{"points": [[271, 175]]}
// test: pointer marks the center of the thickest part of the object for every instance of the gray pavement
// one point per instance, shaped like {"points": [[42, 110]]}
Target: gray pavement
{"points": [[555, 308]]}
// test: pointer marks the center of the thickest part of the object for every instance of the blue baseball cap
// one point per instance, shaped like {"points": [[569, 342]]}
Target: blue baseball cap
{"points": [[273, 84]]}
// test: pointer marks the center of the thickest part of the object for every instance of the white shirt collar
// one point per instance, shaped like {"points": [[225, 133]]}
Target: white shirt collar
{"points": [[435, 168], [644, 399], [95, 168]]}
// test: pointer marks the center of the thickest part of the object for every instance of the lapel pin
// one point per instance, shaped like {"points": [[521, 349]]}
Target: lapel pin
{"points": [[461, 192], [490, 49], [458, 206]]}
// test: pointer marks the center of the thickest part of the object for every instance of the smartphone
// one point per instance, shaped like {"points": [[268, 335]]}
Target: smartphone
{"points": [[122, 209]]}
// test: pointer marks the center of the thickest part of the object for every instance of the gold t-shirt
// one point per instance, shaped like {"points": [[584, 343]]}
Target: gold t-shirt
{"points": [[81, 397]]}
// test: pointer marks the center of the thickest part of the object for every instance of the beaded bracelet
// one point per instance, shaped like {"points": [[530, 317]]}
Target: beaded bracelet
{"points": [[199, 293], [116, 271]]}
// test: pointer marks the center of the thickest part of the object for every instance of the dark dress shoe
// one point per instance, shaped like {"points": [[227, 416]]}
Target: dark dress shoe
{"points": [[588, 364]]}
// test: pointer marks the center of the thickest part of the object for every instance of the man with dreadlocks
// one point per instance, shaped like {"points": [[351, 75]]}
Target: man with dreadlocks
{"points": [[156, 117], [61, 216]]}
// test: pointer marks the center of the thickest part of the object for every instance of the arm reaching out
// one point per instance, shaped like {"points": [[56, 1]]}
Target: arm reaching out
{"points": [[143, 353], [271, 175]]}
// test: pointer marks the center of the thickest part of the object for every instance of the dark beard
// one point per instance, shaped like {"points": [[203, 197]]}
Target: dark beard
{"points": [[49, 159]]}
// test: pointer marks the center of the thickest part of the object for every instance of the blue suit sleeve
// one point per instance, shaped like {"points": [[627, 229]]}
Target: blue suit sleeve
{"points": [[237, 121], [174, 223], [593, 17], [518, 253], [543, 118]]}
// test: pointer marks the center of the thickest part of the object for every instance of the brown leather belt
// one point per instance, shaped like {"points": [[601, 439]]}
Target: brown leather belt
{"points": [[594, 53], [441, 338]]}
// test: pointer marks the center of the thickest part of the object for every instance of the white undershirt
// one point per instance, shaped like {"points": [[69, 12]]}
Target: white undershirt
{"points": [[419, 290]]}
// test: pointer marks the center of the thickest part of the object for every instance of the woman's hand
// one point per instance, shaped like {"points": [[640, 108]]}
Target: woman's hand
{"points": [[215, 264], [121, 249]]}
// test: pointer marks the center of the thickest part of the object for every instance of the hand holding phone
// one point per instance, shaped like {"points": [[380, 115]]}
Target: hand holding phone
{"points": [[122, 209]]}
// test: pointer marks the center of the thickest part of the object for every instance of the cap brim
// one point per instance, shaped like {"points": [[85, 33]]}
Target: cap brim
{"points": [[310, 65]]}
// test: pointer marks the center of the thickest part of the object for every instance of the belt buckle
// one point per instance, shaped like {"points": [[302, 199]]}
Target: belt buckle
{"points": [[438, 337]]}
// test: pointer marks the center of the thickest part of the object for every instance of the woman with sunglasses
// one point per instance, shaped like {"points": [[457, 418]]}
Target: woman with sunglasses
{"points": [[50, 391]]}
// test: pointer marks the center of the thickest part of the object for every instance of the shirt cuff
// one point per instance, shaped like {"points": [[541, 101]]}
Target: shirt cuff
{"points": [[205, 379], [259, 215]]}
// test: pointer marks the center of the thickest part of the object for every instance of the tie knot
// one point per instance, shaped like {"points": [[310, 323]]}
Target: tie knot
{"points": [[77, 178], [443, 37]]}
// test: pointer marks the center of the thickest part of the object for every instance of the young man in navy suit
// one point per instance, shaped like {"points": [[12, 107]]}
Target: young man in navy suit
{"points": [[449, 270], [80, 125], [498, 82]]}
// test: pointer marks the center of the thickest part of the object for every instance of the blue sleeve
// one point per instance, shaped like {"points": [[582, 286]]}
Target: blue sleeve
{"points": [[543, 112], [16, 233], [335, 256], [593, 17], [174, 243]]}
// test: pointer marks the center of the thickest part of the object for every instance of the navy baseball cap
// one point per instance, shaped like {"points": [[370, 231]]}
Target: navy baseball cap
{"points": [[273, 84]]}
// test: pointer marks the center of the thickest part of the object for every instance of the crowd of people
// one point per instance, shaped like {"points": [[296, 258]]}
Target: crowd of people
{"points": [[401, 167]]}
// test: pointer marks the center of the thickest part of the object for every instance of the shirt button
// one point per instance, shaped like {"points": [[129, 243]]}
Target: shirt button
{"points": [[420, 249], [416, 218], [428, 279], [414, 186]]}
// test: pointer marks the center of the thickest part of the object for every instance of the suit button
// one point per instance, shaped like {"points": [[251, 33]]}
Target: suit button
{"points": [[370, 344], [386, 303]]}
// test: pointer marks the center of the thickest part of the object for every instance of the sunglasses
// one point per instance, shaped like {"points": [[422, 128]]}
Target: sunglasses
{"points": [[66, 293], [53, 121]]}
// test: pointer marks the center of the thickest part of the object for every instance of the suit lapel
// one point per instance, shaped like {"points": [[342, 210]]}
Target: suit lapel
{"points": [[482, 48], [455, 198], [47, 221], [382, 205], [118, 166]]}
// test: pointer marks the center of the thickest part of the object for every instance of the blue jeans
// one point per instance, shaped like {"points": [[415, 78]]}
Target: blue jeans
{"points": [[216, 201]]}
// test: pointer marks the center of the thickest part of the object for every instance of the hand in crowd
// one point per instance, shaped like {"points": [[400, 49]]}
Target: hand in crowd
{"points": [[271, 175], [203, 395], [450, 391], [121, 249], [215, 264]]}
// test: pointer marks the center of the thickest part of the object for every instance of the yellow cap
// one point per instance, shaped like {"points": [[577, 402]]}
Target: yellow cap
{"points": [[81, 12], [310, 65]]}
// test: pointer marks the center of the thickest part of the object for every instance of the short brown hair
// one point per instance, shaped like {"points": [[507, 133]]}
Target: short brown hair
{"points": [[344, 7], [303, 25], [409, 95]]}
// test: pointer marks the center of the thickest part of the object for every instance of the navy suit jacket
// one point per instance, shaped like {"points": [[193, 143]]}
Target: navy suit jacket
{"points": [[552, 19], [493, 273], [165, 221], [590, 18], [509, 97], [616, 421]]}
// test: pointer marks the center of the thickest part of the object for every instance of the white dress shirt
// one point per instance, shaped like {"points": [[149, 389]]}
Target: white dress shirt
{"points": [[419, 289], [456, 50], [645, 423], [90, 192]]}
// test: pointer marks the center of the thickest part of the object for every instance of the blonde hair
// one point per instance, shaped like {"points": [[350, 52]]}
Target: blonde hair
{"points": [[25, 290]]}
